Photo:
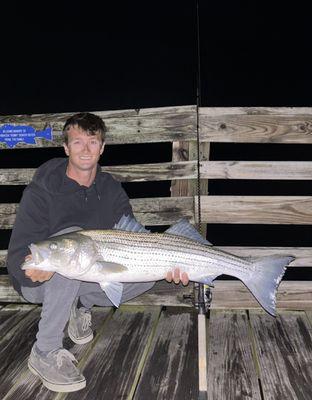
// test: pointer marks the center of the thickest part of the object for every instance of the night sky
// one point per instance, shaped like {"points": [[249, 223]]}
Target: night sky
{"points": [[152, 54]]}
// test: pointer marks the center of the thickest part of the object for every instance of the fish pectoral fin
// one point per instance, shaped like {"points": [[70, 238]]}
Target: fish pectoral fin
{"points": [[110, 267], [113, 291]]}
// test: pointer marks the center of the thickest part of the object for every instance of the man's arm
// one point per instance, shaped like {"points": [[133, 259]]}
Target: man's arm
{"points": [[31, 225]]}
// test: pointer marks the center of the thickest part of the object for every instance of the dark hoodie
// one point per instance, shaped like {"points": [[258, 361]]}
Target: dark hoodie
{"points": [[53, 201]]}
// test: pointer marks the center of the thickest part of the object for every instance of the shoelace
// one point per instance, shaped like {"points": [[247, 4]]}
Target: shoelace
{"points": [[86, 321], [63, 353]]}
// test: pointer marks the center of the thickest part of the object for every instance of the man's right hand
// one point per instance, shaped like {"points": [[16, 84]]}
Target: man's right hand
{"points": [[37, 275]]}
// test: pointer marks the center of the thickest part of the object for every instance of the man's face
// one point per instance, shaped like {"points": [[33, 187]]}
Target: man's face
{"points": [[82, 149]]}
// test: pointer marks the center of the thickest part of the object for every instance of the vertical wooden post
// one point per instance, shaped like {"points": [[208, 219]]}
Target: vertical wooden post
{"points": [[182, 151]]}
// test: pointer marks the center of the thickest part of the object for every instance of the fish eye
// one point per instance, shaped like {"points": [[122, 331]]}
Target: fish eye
{"points": [[53, 246]]}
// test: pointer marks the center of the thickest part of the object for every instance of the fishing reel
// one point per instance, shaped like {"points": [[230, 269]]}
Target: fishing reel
{"points": [[201, 298]]}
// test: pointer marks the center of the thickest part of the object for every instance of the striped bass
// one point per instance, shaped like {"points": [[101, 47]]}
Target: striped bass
{"points": [[130, 253]]}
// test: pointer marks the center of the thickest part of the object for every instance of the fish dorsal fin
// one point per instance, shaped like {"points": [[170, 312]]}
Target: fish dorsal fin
{"points": [[184, 228], [130, 224]]}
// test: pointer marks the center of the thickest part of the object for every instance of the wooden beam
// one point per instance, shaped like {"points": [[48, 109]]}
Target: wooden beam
{"points": [[231, 294], [293, 295], [186, 170], [256, 209], [163, 293], [148, 125], [256, 124], [149, 211]]}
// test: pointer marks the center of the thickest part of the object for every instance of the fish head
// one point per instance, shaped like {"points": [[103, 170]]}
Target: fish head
{"points": [[56, 253]]}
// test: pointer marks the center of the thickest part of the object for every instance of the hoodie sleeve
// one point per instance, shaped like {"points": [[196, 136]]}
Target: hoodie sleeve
{"points": [[31, 225], [122, 204]]}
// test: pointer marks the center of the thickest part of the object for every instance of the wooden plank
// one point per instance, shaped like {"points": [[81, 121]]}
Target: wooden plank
{"points": [[3, 254], [29, 387], [149, 211], [231, 370], [123, 173], [256, 125], [110, 368], [171, 370], [148, 125], [282, 170], [292, 295], [187, 170], [163, 293], [14, 350], [11, 315], [303, 255], [284, 348], [256, 209]]}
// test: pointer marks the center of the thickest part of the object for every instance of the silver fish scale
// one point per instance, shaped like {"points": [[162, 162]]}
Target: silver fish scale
{"points": [[165, 250]]}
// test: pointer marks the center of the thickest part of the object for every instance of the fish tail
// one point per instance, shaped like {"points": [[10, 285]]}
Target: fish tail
{"points": [[264, 281]]}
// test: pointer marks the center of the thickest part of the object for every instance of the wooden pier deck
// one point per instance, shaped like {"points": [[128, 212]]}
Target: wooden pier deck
{"points": [[150, 352]]}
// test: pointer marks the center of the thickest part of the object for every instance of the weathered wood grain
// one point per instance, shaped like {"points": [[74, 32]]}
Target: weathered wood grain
{"points": [[215, 209], [3, 254], [256, 209], [231, 369], [149, 211], [148, 125], [11, 315], [110, 368], [279, 170], [14, 350], [256, 125], [187, 170], [163, 293], [284, 349], [171, 368], [292, 295], [29, 387]]}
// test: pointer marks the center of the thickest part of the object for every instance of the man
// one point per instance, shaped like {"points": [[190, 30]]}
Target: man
{"points": [[67, 194]]}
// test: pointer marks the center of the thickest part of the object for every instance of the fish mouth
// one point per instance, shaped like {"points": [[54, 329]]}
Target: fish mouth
{"points": [[39, 254]]}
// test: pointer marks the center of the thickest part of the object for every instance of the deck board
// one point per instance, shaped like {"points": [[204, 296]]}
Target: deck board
{"points": [[143, 352], [15, 346], [30, 387], [171, 368], [231, 369], [284, 349], [110, 369]]}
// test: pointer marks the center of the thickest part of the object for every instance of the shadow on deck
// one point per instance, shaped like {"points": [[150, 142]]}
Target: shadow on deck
{"points": [[147, 353]]}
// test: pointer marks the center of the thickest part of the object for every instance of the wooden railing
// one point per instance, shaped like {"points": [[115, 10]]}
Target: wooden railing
{"points": [[178, 125]]}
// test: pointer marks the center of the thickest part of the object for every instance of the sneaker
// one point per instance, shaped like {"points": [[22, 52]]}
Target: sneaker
{"points": [[56, 370], [79, 327]]}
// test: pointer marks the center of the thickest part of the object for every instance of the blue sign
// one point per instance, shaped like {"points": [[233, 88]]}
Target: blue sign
{"points": [[12, 134]]}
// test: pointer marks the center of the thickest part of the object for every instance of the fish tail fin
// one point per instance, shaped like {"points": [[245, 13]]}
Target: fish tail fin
{"points": [[264, 282]]}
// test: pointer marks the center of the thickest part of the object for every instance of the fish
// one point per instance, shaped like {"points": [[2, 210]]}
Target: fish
{"points": [[130, 253]]}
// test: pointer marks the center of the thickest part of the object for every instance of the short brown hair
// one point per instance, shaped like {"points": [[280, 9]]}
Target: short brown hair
{"points": [[90, 123]]}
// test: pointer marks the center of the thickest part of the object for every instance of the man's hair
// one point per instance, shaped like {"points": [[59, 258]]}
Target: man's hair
{"points": [[90, 123]]}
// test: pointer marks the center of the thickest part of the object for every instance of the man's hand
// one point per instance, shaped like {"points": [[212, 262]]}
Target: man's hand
{"points": [[177, 276], [37, 275]]}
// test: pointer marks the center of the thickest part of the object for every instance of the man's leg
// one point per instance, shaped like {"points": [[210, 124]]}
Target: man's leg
{"points": [[57, 296], [48, 360]]}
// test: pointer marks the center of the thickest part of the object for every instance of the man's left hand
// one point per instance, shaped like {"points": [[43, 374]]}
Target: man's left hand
{"points": [[177, 277]]}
